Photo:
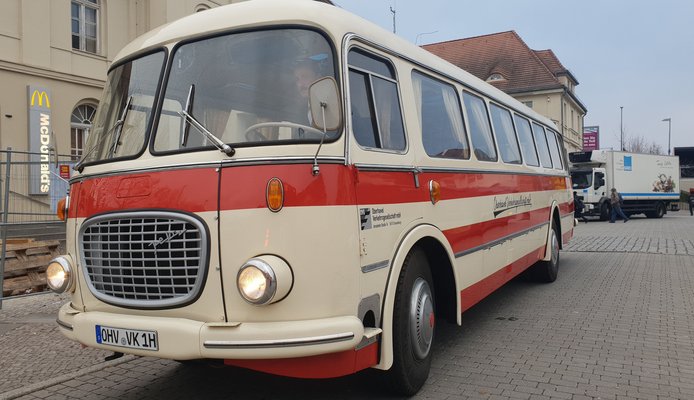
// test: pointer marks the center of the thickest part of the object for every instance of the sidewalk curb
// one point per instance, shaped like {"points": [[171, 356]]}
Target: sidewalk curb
{"points": [[13, 394]]}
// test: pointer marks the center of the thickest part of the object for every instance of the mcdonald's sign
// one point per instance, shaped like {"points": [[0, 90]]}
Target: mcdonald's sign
{"points": [[40, 132], [38, 97]]}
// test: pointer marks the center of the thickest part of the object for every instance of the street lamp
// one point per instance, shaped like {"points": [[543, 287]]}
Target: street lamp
{"points": [[669, 129], [621, 129]]}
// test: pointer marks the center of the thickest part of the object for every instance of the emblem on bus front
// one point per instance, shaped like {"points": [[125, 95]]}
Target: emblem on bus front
{"points": [[165, 239]]}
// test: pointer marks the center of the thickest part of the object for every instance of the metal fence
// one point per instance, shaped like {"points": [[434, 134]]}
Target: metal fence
{"points": [[31, 185]]}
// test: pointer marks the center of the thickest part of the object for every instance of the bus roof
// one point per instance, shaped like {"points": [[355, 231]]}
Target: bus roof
{"points": [[333, 20]]}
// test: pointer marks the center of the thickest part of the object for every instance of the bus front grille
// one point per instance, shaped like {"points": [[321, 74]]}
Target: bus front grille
{"points": [[144, 259]]}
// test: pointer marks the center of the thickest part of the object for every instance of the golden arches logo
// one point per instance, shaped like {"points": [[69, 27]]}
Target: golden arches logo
{"points": [[41, 96]]}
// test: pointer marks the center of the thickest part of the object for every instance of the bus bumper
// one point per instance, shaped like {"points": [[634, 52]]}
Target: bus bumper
{"points": [[185, 339]]}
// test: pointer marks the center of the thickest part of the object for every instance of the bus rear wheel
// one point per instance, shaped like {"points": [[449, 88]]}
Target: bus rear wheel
{"points": [[547, 271], [413, 325]]}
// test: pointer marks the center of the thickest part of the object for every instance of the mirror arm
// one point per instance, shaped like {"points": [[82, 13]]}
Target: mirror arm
{"points": [[315, 170]]}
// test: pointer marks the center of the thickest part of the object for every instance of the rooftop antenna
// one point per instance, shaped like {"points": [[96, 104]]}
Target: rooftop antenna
{"points": [[392, 10]]}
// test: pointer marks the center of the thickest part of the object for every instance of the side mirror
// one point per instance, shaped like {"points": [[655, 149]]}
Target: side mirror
{"points": [[324, 101]]}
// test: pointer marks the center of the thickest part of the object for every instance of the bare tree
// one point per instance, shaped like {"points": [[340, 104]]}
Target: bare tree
{"points": [[639, 144]]}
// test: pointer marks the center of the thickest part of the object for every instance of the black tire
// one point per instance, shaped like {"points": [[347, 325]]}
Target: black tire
{"points": [[547, 271], [604, 211], [413, 326], [659, 210]]}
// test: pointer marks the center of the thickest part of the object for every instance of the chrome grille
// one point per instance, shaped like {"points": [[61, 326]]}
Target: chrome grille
{"points": [[144, 259]]}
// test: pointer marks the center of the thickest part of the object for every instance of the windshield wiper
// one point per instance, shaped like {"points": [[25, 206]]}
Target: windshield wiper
{"points": [[119, 125], [223, 147], [189, 110]]}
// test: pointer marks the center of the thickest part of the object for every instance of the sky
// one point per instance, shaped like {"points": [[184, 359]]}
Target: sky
{"points": [[634, 54]]}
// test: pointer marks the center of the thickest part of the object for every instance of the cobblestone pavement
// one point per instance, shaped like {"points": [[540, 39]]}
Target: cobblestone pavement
{"points": [[617, 324]]}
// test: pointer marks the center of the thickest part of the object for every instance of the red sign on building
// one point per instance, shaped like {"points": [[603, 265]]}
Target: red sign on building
{"points": [[65, 171], [591, 138]]}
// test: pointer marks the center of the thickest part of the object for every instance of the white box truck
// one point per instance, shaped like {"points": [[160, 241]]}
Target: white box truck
{"points": [[649, 183]]}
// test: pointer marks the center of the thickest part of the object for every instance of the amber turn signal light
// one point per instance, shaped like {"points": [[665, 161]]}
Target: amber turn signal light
{"points": [[434, 192], [274, 195], [61, 208]]}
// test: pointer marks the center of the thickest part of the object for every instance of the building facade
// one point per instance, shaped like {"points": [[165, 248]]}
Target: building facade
{"points": [[534, 77]]}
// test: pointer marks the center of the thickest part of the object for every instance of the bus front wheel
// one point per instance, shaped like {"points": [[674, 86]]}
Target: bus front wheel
{"points": [[413, 325]]}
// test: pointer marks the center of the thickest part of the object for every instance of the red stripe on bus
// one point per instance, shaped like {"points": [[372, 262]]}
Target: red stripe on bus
{"points": [[322, 366], [243, 187], [191, 190], [478, 291], [470, 236]]}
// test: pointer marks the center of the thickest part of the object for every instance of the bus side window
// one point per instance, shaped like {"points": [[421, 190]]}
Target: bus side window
{"points": [[526, 141], [543, 149], [375, 104], [505, 135], [480, 130], [440, 117], [554, 149]]}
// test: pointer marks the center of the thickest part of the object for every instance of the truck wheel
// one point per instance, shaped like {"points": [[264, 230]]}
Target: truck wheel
{"points": [[546, 271], [604, 211], [659, 210], [413, 325]]}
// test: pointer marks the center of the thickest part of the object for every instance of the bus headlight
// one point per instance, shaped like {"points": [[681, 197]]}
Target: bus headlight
{"points": [[264, 280], [59, 276]]}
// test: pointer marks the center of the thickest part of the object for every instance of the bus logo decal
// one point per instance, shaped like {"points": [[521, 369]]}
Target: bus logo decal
{"points": [[510, 202]]}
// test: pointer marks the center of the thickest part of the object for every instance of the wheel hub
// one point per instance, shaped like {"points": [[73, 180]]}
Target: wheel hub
{"points": [[422, 319]]}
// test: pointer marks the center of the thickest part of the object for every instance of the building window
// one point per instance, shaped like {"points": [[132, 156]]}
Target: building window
{"points": [[85, 25], [80, 124], [528, 104], [495, 77]]}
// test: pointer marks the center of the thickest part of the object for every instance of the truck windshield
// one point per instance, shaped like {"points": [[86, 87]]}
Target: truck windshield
{"points": [[125, 109], [582, 179], [232, 83]]}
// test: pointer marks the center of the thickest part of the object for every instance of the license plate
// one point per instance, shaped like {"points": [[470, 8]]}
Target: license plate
{"points": [[131, 338]]}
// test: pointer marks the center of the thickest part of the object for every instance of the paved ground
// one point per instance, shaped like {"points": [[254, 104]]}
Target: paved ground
{"points": [[617, 324]]}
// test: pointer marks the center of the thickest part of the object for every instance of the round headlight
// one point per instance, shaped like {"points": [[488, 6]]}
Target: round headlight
{"points": [[264, 279], [59, 275], [257, 282]]}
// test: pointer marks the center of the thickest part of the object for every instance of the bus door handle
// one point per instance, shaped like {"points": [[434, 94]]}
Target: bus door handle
{"points": [[416, 171]]}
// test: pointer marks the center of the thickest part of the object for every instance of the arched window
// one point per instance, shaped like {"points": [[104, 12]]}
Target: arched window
{"points": [[80, 124], [495, 77]]}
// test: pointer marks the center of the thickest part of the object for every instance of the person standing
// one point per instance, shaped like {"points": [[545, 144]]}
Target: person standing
{"points": [[691, 201], [578, 209], [616, 203]]}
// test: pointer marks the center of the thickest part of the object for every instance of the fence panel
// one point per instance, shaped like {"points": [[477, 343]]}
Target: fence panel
{"points": [[31, 185]]}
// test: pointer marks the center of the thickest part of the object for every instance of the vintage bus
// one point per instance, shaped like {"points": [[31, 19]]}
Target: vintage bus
{"points": [[286, 187]]}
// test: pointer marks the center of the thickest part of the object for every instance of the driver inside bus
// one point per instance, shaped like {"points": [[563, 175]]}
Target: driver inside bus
{"points": [[305, 75]]}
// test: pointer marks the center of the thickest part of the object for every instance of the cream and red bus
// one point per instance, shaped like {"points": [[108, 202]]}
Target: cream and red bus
{"points": [[288, 188]]}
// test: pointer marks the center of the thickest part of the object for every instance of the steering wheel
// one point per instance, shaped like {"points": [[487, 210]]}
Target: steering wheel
{"points": [[252, 134]]}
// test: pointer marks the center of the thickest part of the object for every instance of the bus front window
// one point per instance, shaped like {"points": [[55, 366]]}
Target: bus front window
{"points": [[125, 110], [244, 88]]}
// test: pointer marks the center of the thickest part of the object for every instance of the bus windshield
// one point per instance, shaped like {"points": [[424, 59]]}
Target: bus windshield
{"points": [[125, 109], [243, 88], [582, 179]]}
